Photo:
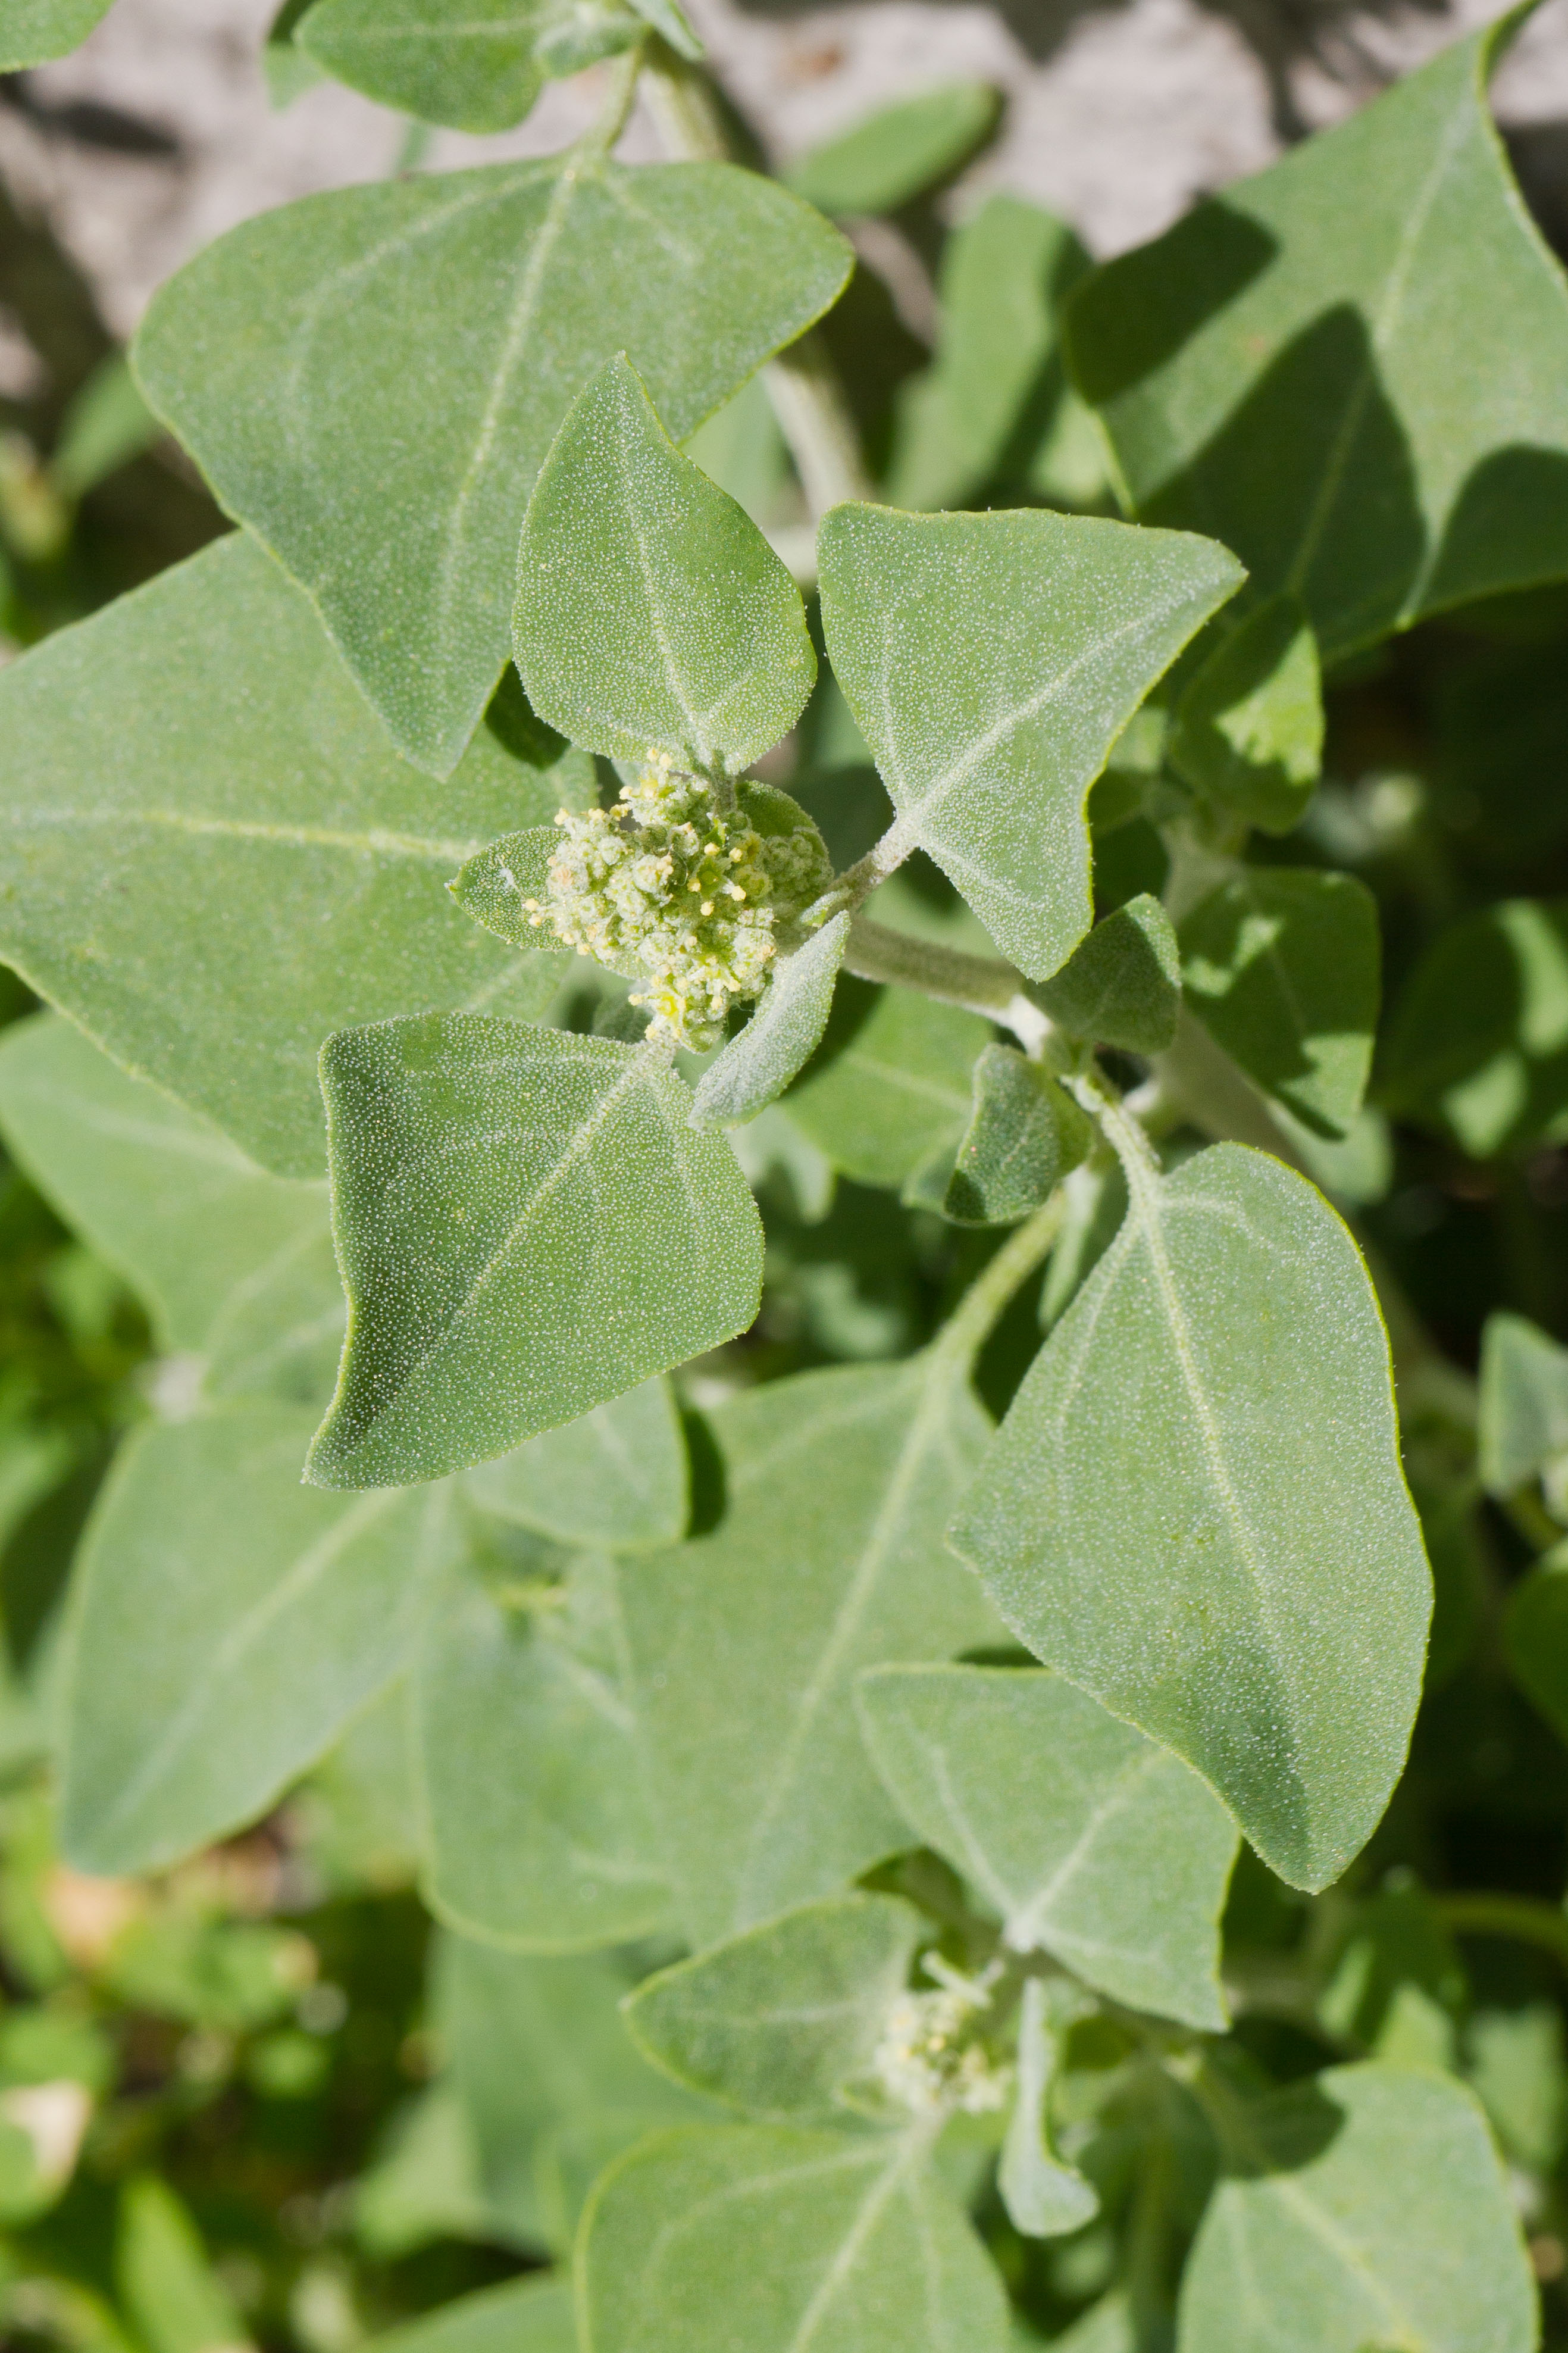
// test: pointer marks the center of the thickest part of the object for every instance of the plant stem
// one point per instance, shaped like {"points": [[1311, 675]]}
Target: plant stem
{"points": [[802, 384], [979, 984], [1520, 1917], [620, 94], [971, 1322]]}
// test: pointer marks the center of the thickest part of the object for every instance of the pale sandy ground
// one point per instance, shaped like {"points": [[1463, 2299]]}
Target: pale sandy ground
{"points": [[1117, 116]]}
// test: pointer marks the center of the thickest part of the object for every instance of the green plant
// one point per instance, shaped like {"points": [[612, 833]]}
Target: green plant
{"points": [[834, 1801]]}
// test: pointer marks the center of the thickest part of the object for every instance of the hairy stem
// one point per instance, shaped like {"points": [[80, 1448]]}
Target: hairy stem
{"points": [[979, 984], [971, 1322], [620, 95], [802, 384]]}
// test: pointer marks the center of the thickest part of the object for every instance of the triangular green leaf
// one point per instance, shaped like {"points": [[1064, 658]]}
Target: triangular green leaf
{"points": [[1044, 2197], [1283, 967], [37, 30], [890, 1088], [1024, 1134], [780, 1036], [652, 616], [615, 1477], [496, 887], [882, 161], [747, 1641], [1367, 2209], [991, 662], [1195, 1507], [776, 2019], [863, 2247], [308, 361], [1478, 1046], [1248, 731], [225, 1623], [1118, 1864], [1121, 986], [470, 63], [1003, 271], [537, 1824], [497, 1288], [215, 858], [1350, 369], [538, 2055], [236, 1266]]}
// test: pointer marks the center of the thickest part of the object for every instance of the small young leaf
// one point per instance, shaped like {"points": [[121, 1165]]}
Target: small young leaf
{"points": [[1121, 986], [539, 2058], [747, 1641], [1001, 273], [1283, 967], [1523, 1423], [234, 1266], [890, 1088], [1366, 2210], [651, 612], [539, 1833], [225, 1622], [533, 2315], [1535, 1637], [1118, 1864], [775, 2020], [1195, 1507], [615, 1477], [495, 889], [780, 1036], [35, 31], [165, 2278], [1296, 365], [1044, 2197], [776, 2240], [308, 362], [1478, 1047], [528, 1225], [1024, 1134], [991, 662], [470, 63], [895, 154], [214, 857], [1249, 733]]}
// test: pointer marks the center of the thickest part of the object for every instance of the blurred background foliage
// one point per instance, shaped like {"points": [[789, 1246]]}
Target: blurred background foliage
{"points": [[260, 2100]]}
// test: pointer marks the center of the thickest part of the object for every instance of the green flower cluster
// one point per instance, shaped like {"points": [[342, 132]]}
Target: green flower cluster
{"points": [[695, 901]]}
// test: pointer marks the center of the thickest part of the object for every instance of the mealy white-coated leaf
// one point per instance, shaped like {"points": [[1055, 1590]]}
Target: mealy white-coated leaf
{"points": [[1044, 2197], [1195, 1508], [527, 1224], [1522, 1431], [772, 2238], [651, 612], [470, 63], [891, 1087], [370, 380], [214, 856], [991, 662], [746, 1641], [37, 30], [1118, 1860], [545, 2074], [235, 1265], [533, 2315], [775, 2020], [225, 1622], [616, 1477], [781, 1037], [536, 1815], [1366, 2209]]}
